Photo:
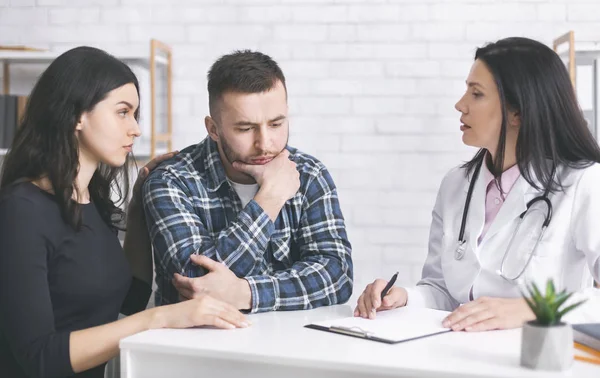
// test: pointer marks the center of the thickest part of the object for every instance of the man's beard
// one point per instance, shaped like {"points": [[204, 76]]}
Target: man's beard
{"points": [[230, 155]]}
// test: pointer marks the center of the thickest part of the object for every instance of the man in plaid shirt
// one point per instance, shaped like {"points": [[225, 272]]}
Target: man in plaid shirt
{"points": [[242, 216]]}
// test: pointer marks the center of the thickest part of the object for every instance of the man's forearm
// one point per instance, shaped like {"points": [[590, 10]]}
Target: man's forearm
{"points": [[301, 287]]}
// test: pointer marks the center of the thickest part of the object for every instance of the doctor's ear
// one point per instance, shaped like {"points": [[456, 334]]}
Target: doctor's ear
{"points": [[79, 125]]}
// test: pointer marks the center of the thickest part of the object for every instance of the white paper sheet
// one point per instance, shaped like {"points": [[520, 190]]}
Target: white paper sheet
{"points": [[395, 325]]}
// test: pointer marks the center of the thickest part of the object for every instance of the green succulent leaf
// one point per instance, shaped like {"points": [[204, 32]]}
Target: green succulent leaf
{"points": [[531, 305], [539, 298], [547, 306], [560, 300], [570, 308], [550, 292]]}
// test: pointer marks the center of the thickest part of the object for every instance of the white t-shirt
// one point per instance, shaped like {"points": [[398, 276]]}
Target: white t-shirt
{"points": [[244, 191]]}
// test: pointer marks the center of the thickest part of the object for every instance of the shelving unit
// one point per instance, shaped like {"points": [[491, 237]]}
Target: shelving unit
{"points": [[582, 61], [145, 66]]}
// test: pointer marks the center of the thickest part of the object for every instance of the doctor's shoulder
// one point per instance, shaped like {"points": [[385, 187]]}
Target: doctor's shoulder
{"points": [[453, 183], [455, 177], [585, 179]]}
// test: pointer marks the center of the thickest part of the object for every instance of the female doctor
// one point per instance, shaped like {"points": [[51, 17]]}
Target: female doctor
{"points": [[526, 207]]}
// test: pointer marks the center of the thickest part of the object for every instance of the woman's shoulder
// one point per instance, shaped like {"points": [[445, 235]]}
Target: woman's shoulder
{"points": [[26, 196], [457, 175], [452, 185], [586, 176]]}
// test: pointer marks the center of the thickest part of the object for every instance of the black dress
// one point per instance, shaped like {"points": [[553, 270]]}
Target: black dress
{"points": [[54, 280]]}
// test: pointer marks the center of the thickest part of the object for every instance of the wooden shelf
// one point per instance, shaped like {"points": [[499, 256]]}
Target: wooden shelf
{"points": [[585, 52], [582, 58], [46, 57], [158, 55], [580, 52]]}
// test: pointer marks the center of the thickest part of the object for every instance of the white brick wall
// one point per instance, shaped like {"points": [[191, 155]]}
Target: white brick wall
{"points": [[372, 84]]}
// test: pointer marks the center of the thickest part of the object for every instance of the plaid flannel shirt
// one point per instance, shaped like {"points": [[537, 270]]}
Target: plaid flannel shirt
{"points": [[300, 261]]}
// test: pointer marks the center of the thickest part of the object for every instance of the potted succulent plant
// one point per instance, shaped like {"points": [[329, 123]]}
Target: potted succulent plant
{"points": [[547, 342]]}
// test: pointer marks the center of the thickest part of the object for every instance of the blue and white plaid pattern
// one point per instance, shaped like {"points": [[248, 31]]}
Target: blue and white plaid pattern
{"points": [[301, 261]]}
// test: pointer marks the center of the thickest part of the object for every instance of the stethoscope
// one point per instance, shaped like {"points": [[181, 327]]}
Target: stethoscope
{"points": [[462, 243]]}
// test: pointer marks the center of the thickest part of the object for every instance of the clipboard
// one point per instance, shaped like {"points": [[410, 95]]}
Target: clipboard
{"points": [[389, 327]]}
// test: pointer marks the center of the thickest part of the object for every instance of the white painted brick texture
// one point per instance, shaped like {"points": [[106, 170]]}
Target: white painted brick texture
{"points": [[372, 85]]}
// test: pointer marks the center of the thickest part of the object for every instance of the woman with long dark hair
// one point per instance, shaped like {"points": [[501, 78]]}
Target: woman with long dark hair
{"points": [[64, 276], [525, 209]]}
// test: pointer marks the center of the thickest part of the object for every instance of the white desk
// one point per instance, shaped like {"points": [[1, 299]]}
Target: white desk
{"points": [[277, 345]]}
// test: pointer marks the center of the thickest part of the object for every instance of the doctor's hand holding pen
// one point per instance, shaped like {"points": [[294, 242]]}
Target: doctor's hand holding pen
{"points": [[379, 296]]}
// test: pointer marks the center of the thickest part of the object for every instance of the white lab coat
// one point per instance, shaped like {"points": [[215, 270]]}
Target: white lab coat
{"points": [[569, 251]]}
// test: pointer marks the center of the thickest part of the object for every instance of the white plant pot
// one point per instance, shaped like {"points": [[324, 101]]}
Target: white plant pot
{"points": [[547, 348]]}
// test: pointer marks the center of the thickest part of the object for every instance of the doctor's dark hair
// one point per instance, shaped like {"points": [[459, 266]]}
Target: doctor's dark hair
{"points": [[45, 144], [243, 71], [533, 81]]}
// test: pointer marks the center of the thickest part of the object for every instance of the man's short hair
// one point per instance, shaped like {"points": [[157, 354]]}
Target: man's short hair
{"points": [[242, 71]]}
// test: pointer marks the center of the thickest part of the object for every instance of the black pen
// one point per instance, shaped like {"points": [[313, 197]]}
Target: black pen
{"points": [[389, 285]]}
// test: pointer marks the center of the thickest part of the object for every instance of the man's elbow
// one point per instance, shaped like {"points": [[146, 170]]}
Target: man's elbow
{"points": [[345, 291], [345, 282]]}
